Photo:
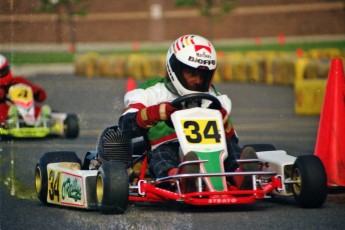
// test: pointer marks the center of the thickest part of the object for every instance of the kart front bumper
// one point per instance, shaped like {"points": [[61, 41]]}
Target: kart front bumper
{"points": [[150, 192], [32, 132]]}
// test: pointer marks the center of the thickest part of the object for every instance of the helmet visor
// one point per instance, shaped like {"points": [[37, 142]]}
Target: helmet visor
{"points": [[197, 79], [194, 79]]}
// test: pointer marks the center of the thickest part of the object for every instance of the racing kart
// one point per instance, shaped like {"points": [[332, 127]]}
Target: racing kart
{"points": [[23, 122], [116, 173]]}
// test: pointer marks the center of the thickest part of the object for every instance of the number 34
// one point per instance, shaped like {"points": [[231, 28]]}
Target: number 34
{"points": [[202, 131]]}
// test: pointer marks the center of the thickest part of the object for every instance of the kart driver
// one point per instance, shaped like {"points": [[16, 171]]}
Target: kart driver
{"points": [[191, 63], [6, 81]]}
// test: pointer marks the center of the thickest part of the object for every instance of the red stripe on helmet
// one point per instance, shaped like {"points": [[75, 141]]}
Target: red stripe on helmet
{"points": [[191, 40], [177, 46]]}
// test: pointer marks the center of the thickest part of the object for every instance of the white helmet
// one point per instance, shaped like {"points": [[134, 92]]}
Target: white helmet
{"points": [[195, 53]]}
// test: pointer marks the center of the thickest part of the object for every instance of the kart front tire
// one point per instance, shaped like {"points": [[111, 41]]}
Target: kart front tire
{"points": [[41, 174], [71, 126], [310, 191], [112, 188]]}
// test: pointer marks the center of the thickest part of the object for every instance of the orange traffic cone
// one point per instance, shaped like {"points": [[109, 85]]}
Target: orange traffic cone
{"points": [[130, 84], [330, 142], [299, 52], [281, 38]]}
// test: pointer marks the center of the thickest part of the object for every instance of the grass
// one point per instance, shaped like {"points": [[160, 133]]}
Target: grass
{"points": [[289, 47], [19, 58]]}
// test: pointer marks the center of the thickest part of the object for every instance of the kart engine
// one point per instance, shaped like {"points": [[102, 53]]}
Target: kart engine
{"points": [[113, 145]]}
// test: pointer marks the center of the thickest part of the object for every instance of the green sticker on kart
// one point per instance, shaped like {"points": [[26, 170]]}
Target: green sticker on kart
{"points": [[213, 165]]}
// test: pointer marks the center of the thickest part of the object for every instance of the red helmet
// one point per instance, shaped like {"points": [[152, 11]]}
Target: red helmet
{"points": [[5, 71]]}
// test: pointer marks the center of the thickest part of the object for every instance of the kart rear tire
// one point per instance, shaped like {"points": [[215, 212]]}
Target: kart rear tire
{"points": [[310, 191], [71, 126], [112, 188], [41, 174]]}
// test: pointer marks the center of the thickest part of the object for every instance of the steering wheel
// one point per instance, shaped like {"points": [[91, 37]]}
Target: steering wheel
{"points": [[215, 103], [177, 103]]}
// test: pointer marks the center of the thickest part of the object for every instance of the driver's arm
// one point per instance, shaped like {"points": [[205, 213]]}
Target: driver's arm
{"points": [[226, 111], [141, 114], [137, 123], [128, 124]]}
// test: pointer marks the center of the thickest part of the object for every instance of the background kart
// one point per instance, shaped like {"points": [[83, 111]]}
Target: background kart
{"points": [[22, 121], [120, 177]]}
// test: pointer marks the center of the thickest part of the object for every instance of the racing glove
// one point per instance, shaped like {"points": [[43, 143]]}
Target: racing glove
{"points": [[149, 116], [228, 128]]}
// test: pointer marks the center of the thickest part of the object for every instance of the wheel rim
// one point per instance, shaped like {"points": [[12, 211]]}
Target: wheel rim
{"points": [[38, 180], [296, 176], [99, 188]]}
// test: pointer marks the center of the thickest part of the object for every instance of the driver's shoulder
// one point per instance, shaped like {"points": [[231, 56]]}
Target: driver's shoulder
{"points": [[150, 95], [20, 79], [157, 88], [152, 82]]}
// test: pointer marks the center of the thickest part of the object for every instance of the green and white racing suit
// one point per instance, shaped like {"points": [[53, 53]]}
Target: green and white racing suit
{"points": [[162, 138]]}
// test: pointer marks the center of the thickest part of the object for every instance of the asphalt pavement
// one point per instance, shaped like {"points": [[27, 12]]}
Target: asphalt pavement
{"points": [[261, 114]]}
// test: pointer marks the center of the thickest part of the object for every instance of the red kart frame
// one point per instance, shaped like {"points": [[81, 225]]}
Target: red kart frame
{"points": [[151, 192]]}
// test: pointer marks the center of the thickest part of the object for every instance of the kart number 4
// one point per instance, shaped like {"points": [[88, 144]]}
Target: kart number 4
{"points": [[21, 93]]}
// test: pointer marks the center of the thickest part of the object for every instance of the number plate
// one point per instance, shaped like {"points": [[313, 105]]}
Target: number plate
{"points": [[21, 92], [201, 131]]}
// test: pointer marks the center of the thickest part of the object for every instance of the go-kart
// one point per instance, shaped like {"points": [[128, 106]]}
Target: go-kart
{"points": [[23, 122], [116, 173]]}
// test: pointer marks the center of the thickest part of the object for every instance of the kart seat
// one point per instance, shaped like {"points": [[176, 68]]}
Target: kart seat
{"points": [[70, 165]]}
